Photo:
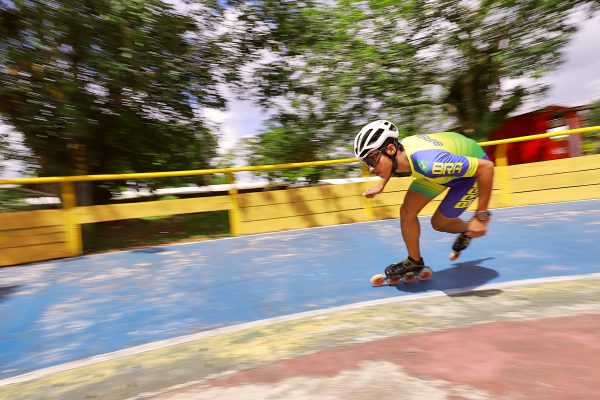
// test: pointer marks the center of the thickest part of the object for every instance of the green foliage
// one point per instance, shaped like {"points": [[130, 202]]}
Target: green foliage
{"points": [[113, 86], [591, 140], [12, 200], [127, 234], [420, 64], [594, 118], [290, 139], [332, 78], [108, 86], [490, 42]]}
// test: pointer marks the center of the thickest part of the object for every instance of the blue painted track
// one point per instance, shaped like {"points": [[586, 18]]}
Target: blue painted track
{"points": [[55, 312]]}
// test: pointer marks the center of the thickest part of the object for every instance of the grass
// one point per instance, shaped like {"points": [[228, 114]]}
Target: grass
{"points": [[135, 233]]}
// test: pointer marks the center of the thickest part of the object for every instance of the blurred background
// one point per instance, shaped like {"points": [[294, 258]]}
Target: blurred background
{"points": [[183, 90], [122, 86]]}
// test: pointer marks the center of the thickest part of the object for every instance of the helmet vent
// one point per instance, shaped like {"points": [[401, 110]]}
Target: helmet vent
{"points": [[376, 136], [373, 136], [364, 138]]}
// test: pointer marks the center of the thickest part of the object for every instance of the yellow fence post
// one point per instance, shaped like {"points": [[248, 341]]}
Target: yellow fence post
{"points": [[72, 228], [503, 175], [367, 203], [234, 212]]}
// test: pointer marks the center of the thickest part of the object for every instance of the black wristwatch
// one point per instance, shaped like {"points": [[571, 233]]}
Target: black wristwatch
{"points": [[483, 215]]}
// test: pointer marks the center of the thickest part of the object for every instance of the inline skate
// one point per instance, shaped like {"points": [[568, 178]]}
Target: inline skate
{"points": [[461, 242], [405, 271]]}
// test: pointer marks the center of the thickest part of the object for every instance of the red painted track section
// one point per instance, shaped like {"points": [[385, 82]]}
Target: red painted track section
{"points": [[553, 358]]}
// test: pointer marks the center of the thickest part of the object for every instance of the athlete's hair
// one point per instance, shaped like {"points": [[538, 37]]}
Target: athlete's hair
{"points": [[394, 141]]}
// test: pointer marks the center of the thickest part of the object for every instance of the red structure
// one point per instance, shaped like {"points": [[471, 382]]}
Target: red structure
{"points": [[540, 121]]}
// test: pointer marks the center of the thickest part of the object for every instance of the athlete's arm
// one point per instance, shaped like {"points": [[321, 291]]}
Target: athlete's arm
{"points": [[485, 179], [375, 190]]}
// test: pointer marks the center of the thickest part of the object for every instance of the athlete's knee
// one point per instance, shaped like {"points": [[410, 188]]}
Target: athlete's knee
{"points": [[407, 212], [439, 222]]}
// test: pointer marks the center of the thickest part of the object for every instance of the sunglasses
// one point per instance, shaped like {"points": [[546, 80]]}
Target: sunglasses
{"points": [[372, 159]]}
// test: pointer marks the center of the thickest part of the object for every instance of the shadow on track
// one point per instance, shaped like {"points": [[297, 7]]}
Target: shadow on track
{"points": [[7, 291], [457, 281]]}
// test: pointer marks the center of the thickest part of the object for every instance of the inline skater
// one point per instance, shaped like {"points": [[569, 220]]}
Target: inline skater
{"points": [[438, 161]]}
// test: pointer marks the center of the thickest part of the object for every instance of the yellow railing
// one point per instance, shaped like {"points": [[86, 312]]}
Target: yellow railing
{"points": [[171, 174], [502, 161], [73, 225]]}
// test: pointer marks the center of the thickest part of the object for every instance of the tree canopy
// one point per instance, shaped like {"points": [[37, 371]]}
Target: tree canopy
{"points": [[108, 86], [426, 65], [114, 86]]}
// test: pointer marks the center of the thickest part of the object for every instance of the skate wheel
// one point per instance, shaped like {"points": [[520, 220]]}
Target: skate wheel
{"points": [[378, 280], [425, 274], [393, 281], [409, 278], [454, 255]]}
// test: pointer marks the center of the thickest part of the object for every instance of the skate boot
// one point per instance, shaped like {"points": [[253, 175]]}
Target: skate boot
{"points": [[406, 271], [462, 242]]}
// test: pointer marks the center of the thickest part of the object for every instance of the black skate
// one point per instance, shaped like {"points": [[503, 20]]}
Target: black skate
{"points": [[406, 271], [461, 242]]}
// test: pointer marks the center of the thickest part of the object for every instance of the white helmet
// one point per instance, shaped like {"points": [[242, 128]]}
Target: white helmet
{"points": [[372, 136]]}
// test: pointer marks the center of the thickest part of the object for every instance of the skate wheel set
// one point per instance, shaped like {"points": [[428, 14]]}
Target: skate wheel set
{"points": [[382, 279], [461, 243]]}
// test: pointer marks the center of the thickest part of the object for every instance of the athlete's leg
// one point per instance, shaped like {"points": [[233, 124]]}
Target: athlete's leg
{"points": [[459, 198], [419, 194], [442, 223]]}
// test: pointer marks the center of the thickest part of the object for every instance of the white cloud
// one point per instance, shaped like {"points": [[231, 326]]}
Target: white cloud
{"points": [[242, 118], [577, 81], [11, 169]]}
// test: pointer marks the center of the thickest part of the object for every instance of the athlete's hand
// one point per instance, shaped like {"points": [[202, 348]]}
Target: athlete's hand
{"points": [[477, 228], [373, 191]]}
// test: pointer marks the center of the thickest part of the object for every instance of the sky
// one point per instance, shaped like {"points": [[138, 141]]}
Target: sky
{"points": [[576, 82]]}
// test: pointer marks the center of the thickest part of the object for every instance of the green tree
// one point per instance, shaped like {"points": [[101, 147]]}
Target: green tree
{"points": [[426, 65], [594, 118], [591, 140], [273, 147], [109, 86], [485, 44], [338, 70]]}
